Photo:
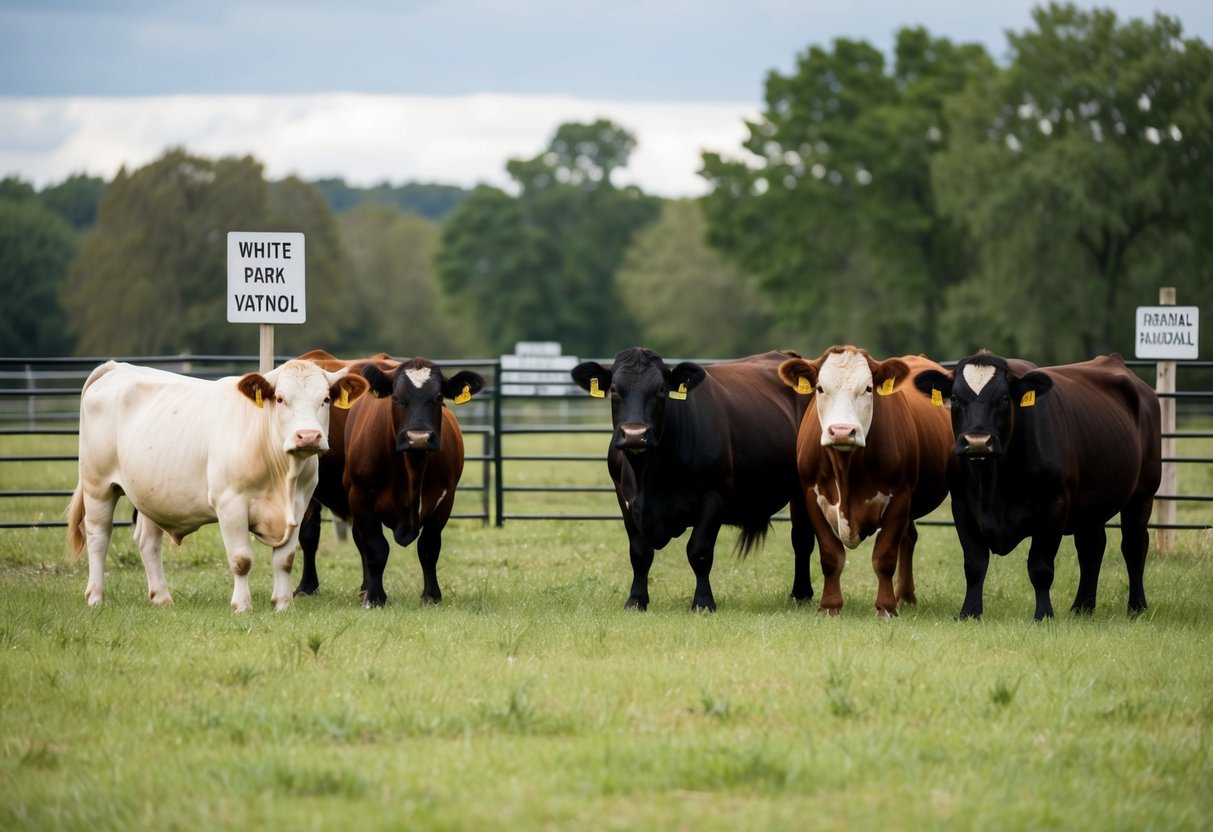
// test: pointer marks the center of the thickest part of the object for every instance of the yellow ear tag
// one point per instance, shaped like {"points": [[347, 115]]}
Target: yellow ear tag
{"points": [[344, 401], [886, 387], [803, 387], [936, 397], [465, 395], [257, 401], [595, 390], [1029, 399], [680, 393]]}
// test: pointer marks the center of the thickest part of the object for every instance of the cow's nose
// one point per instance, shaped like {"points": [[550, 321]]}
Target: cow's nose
{"points": [[632, 437], [976, 444], [419, 440], [308, 438], [842, 436]]}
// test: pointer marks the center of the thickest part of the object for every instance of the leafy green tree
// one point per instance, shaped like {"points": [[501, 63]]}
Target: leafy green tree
{"points": [[833, 209], [1083, 172], [687, 300], [75, 199], [425, 200], [36, 246], [542, 265], [392, 289], [150, 276]]}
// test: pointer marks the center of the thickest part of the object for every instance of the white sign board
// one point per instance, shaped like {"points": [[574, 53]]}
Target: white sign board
{"points": [[1167, 332], [537, 369], [265, 278]]}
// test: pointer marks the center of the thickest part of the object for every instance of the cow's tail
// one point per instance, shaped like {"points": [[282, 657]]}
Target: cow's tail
{"points": [[75, 523], [751, 537]]}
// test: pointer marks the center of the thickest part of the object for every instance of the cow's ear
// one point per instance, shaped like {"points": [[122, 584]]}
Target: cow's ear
{"points": [[1026, 389], [935, 385], [592, 377], [684, 378], [347, 390], [256, 388], [799, 374], [462, 386], [380, 382], [887, 374]]}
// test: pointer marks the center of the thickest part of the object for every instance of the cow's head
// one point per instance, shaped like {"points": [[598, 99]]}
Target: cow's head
{"points": [[298, 395], [985, 396], [845, 381], [639, 384], [417, 388]]}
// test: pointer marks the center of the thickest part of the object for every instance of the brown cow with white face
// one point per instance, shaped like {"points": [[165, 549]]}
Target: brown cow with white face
{"points": [[871, 456]]}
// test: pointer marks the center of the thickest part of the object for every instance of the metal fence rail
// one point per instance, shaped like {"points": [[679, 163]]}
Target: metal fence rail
{"points": [[28, 409]]}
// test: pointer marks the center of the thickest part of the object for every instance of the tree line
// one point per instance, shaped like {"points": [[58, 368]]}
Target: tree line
{"points": [[930, 200]]}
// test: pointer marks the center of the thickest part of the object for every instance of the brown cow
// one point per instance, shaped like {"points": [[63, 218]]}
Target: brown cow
{"points": [[395, 462], [871, 456]]}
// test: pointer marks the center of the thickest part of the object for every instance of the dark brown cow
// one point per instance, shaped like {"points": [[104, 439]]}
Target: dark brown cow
{"points": [[1050, 452], [403, 458], [871, 456], [697, 447]]}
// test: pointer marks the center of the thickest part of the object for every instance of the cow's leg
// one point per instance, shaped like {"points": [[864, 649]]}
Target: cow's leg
{"points": [[233, 525], [905, 566], [429, 547], [701, 550], [641, 556], [374, 548], [98, 528], [802, 550], [1134, 545], [833, 559], [892, 538], [309, 542], [281, 561], [150, 538], [1090, 543], [1041, 556], [976, 560]]}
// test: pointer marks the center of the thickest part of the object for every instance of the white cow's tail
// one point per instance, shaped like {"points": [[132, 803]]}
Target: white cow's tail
{"points": [[75, 524]]}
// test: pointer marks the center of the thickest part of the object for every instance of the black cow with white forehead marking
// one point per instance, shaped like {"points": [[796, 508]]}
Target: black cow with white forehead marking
{"points": [[697, 447], [1046, 453]]}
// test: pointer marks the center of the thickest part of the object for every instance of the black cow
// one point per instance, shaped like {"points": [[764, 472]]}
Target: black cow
{"points": [[697, 447], [1045, 453]]}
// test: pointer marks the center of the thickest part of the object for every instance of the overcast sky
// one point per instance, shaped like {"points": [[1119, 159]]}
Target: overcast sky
{"points": [[443, 91]]}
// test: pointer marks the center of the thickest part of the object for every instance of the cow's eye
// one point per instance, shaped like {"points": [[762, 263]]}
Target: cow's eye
{"points": [[278, 399], [868, 389], [820, 390]]}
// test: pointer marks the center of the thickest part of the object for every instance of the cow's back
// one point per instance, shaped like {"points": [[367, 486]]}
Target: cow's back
{"points": [[1097, 434]]}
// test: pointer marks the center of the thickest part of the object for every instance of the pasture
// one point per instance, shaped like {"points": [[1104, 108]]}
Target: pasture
{"points": [[529, 699]]}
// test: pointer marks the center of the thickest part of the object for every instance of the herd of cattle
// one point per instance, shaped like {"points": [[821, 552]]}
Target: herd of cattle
{"points": [[850, 445]]}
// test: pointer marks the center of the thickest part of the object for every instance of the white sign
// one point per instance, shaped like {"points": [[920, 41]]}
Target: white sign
{"points": [[265, 278], [537, 369], [1168, 332]]}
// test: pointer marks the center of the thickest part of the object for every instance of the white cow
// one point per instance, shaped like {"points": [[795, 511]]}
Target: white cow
{"points": [[240, 451]]}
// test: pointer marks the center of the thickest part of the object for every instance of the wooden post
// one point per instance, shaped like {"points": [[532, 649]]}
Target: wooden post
{"points": [[267, 348], [1164, 539]]}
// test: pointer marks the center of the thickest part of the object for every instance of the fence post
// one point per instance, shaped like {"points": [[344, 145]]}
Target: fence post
{"points": [[498, 464], [1164, 539]]}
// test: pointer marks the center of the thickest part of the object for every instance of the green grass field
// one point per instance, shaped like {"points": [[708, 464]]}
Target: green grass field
{"points": [[529, 699]]}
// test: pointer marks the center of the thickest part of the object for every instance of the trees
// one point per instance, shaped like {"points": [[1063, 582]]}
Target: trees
{"points": [[150, 276], [1083, 173], [686, 300], [541, 265], [36, 246], [833, 210], [392, 290]]}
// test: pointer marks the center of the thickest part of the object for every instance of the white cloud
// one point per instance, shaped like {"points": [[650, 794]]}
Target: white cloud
{"points": [[365, 139]]}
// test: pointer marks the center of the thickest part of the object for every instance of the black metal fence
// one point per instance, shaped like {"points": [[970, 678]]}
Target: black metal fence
{"points": [[40, 398]]}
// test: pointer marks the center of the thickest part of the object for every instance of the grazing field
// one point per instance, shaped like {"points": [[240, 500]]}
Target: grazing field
{"points": [[529, 699]]}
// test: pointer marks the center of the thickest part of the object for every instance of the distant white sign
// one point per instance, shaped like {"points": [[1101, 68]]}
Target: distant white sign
{"points": [[265, 278], [537, 369], [1168, 332]]}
